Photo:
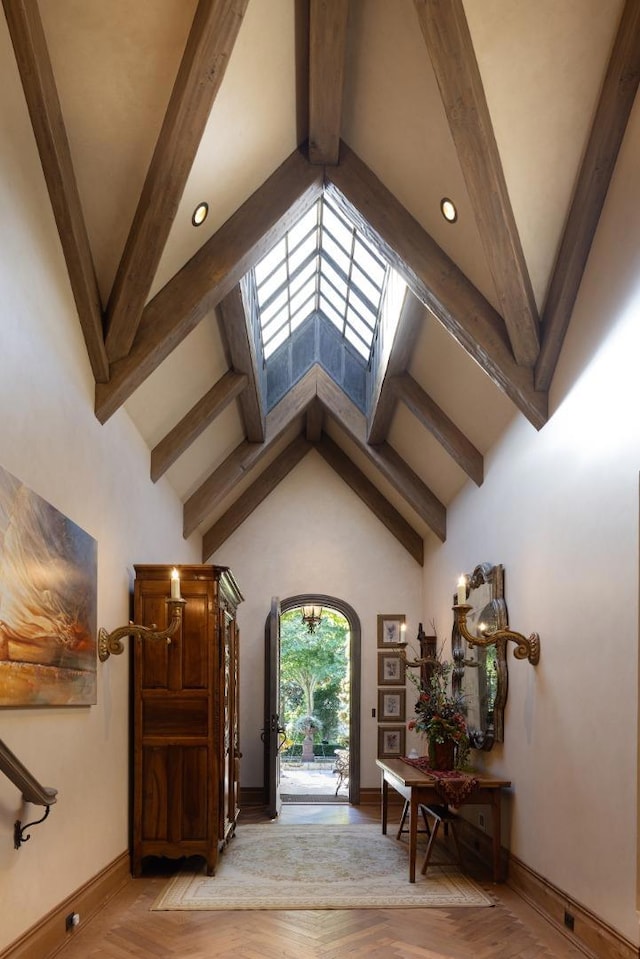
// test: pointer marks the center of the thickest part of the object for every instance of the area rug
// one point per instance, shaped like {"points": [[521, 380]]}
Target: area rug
{"points": [[273, 866]]}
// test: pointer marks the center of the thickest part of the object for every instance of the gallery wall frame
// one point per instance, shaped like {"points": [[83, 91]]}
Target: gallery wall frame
{"points": [[391, 630], [391, 741], [391, 668], [392, 705]]}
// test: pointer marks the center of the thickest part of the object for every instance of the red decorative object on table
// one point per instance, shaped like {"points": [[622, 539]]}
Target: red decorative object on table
{"points": [[452, 785]]}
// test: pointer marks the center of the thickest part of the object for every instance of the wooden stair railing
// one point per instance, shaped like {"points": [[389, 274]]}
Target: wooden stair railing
{"points": [[30, 788]]}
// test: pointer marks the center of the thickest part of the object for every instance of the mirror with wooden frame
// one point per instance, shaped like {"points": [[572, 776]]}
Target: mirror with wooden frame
{"points": [[480, 672]]}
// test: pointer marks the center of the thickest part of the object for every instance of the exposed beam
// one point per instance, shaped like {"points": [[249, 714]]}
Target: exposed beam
{"points": [[383, 457], [384, 399], [237, 333], [248, 501], [247, 455], [609, 124], [438, 423], [434, 279], [196, 421], [211, 40], [372, 497], [36, 73], [327, 46], [315, 417], [211, 274], [446, 33]]}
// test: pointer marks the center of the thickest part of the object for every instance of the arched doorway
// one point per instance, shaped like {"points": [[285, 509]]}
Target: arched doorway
{"points": [[274, 731]]}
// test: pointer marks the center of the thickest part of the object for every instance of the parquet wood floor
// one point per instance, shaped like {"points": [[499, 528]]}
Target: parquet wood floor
{"points": [[126, 929]]}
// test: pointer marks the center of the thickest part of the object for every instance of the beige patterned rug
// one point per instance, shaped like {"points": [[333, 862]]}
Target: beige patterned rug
{"points": [[272, 866]]}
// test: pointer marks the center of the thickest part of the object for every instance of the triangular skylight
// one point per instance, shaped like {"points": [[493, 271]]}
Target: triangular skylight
{"points": [[323, 265]]}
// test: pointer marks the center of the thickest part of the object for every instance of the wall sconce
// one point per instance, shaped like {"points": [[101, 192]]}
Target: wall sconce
{"points": [[311, 617], [525, 648], [111, 643]]}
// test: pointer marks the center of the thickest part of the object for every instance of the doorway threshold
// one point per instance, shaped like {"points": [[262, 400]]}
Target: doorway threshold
{"points": [[306, 798]]}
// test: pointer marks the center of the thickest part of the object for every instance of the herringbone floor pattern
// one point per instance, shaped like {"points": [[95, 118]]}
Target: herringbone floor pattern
{"points": [[126, 929]]}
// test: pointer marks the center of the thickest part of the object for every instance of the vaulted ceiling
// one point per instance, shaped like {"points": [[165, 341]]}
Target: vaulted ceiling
{"points": [[141, 110]]}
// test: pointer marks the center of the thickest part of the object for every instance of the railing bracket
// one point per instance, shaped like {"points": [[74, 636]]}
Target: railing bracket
{"points": [[19, 830]]}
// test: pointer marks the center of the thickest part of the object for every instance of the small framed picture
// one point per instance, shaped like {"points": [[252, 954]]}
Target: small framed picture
{"points": [[391, 705], [391, 629], [391, 740], [391, 669]]}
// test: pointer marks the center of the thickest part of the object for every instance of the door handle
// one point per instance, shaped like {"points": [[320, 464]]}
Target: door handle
{"points": [[275, 727]]}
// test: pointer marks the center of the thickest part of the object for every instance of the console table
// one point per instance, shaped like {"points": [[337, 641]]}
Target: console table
{"points": [[420, 788]]}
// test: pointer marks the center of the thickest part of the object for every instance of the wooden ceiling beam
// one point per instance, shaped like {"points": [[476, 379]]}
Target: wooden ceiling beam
{"points": [[236, 329], [327, 47], [211, 274], [372, 497], [248, 501], [201, 415], [36, 74], [438, 423], [246, 455], [209, 46], [435, 279], [388, 463], [610, 122], [446, 33], [314, 422], [384, 399]]}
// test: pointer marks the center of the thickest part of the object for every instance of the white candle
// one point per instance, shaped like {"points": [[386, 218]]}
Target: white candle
{"points": [[175, 584], [462, 591]]}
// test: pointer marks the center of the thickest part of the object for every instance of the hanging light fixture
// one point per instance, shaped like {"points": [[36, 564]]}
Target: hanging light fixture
{"points": [[311, 617]]}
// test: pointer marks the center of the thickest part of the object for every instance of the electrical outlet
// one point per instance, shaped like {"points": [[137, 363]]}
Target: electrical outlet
{"points": [[568, 920], [72, 920]]}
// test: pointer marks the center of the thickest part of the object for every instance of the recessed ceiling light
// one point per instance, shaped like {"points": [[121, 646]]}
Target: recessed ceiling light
{"points": [[200, 214], [448, 210]]}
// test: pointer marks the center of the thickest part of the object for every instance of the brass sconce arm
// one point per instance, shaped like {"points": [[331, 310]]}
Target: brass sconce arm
{"points": [[111, 643], [525, 648]]}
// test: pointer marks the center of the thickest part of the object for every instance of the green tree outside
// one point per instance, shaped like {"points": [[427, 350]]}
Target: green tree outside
{"points": [[314, 672]]}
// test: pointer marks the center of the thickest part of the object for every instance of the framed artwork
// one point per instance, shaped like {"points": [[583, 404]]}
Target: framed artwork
{"points": [[391, 629], [48, 570], [391, 741], [391, 669], [391, 705]]}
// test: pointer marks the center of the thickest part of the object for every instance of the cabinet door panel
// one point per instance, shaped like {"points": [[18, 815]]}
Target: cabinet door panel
{"points": [[175, 716], [196, 773], [155, 775], [154, 656], [196, 647]]}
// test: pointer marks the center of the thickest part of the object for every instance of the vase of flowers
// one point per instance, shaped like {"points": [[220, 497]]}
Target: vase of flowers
{"points": [[440, 717]]}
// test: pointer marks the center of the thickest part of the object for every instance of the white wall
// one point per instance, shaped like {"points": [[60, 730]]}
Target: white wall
{"points": [[559, 509], [98, 477], [314, 535]]}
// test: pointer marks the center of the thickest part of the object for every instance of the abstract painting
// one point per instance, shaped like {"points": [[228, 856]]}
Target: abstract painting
{"points": [[48, 590]]}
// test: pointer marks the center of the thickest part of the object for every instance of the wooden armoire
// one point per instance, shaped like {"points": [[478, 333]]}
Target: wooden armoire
{"points": [[186, 749]]}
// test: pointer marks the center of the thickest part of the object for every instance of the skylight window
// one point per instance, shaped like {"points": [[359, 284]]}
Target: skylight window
{"points": [[323, 265]]}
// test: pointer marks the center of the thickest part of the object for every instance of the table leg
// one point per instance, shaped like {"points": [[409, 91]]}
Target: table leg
{"points": [[413, 835], [385, 804], [496, 829]]}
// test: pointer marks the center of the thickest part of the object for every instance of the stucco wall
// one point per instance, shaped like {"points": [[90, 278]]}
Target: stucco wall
{"points": [[313, 534], [98, 477], [559, 509]]}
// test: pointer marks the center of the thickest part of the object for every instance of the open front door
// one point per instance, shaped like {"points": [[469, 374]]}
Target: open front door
{"points": [[273, 734]]}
